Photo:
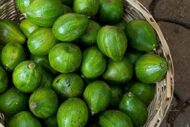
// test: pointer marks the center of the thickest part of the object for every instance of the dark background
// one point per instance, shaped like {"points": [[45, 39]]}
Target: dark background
{"points": [[173, 16]]}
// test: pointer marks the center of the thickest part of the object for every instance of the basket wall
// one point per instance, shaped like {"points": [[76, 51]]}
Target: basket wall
{"points": [[133, 10]]}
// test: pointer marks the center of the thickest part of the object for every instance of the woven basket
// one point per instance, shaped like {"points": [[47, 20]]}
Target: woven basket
{"points": [[133, 10]]}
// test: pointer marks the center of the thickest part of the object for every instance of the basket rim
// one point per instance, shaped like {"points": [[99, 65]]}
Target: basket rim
{"points": [[167, 54]]}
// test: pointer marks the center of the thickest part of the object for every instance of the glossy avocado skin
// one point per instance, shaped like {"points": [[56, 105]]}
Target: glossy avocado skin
{"points": [[10, 32], [112, 42], [119, 72], [89, 37], [13, 101], [44, 12], [86, 7], [41, 41], [111, 11], [68, 85], [145, 92], [65, 57], [115, 118], [151, 68], [72, 113], [93, 63], [24, 119], [27, 76], [23, 5], [141, 35], [70, 26], [43, 102], [28, 27], [136, 109], [98, 96], [12, 54]]}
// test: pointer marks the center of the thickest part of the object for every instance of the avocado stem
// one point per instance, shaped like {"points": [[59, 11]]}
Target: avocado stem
{"points": [[33, 105], [130, 94], [31, 65], [92, 113]]}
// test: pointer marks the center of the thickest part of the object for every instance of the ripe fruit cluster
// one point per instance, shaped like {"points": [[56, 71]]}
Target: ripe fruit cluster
{"points": [[77, 63]]}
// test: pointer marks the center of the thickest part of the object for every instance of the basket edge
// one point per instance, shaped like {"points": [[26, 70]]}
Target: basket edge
{"points": [[170, 73]]}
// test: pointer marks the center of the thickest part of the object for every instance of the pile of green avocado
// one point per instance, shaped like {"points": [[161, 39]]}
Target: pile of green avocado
{"points": [[77, 63]]}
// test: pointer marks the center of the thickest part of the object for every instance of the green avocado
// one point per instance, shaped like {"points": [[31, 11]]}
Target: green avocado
{"points": [[141, 35], [89, 37], [151, 68], [112, 42], [115, 118], [145, 92], [70, 26], [12, 54], [44, 12], [28, 27], [10, 32], [93, 63], [13, 101], [98, 96], [111, 11], [43, 102], [135, 109], [68, 85], [23, 5], [27, 76], [86, 7], [72, 113], [65, 57], [119, 72], [24, 119], [41, 41]]}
